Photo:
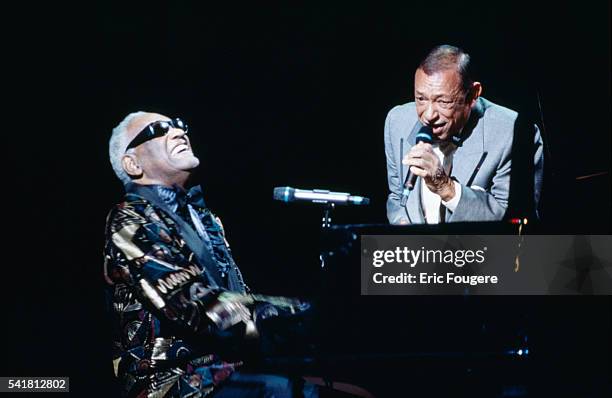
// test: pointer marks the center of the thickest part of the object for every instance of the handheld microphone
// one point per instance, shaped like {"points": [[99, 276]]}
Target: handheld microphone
{"points": [[423, 134], [288, 194]]}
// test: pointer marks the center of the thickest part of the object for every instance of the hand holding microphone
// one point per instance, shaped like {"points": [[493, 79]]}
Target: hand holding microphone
{"points": [[423, 134], [424, 163]]}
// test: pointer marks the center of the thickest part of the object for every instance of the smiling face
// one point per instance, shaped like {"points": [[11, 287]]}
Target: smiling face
{"points": [[442, 103], [165, 160]]}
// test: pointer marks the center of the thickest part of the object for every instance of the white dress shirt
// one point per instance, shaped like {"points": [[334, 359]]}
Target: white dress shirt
{"points": [[431, 201]]}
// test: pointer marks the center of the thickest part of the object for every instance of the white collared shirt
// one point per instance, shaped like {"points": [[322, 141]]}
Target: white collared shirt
{"points": [[431, 201]]}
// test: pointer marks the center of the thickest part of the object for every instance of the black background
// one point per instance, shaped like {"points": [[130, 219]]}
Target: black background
{"points": [[275, 95]]}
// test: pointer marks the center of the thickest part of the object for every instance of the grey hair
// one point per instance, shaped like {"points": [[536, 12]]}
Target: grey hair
{"points": [[446, 57], [117, 144]]}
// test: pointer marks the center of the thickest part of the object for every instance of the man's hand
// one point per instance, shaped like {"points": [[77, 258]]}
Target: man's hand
{"points": [[230, 309], [425, 163]]}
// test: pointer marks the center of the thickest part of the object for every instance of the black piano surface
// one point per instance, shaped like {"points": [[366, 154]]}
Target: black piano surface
{"points": [[413, 346]]}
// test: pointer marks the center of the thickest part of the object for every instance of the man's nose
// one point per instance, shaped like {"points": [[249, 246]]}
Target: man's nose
{"points": [[431, 113], [176, 133]]}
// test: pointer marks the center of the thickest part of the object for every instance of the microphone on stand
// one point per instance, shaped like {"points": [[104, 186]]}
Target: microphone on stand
{"points": [[288, 194]]}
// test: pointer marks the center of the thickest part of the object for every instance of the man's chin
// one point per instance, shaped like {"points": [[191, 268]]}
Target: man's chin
{"points": [[195, 162], [441, 137], [188, 163]]}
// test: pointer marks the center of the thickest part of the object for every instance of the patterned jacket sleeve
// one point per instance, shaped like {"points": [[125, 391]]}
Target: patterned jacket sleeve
{"points": [[155, 264]]}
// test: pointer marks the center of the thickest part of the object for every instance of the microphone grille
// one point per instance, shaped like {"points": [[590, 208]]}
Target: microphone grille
{"points": [[425, 135], [284, 194]]}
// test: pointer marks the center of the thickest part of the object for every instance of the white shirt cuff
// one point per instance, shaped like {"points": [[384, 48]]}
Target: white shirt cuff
{"points": [[452, 204]]}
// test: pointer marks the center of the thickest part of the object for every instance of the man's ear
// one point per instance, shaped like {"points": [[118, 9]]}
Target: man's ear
{"points": [[475, 92], [131, 166]]}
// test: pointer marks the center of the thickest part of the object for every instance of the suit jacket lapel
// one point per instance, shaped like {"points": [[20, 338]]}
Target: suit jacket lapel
{"points": [[413, 205], [468, 156]]}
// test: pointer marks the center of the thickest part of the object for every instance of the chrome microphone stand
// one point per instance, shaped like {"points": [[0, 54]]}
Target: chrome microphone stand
{"points": [[326, 223]]}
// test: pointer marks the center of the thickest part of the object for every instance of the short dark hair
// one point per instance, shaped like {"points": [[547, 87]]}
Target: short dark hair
{"points": [[447, 57]]}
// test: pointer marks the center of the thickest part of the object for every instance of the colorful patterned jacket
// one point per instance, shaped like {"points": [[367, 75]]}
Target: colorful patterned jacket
{"points": [[162, 272]]}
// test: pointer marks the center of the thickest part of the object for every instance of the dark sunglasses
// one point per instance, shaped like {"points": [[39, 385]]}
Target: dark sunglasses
{"points": [[157, 129]]}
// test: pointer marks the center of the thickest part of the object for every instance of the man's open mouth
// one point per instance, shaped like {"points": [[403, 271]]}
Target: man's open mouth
{"points": [[180, 148]]}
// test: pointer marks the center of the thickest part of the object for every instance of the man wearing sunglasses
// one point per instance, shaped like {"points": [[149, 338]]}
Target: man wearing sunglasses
{"points": [[178, 297], [476, 148]]}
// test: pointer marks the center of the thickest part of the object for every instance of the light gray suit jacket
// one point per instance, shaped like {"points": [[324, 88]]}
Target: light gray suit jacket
{"points": [[481, 164]]}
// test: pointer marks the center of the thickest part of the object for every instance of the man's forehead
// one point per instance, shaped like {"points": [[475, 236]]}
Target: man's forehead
{"points": [[141, 121], [444, 80]]}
